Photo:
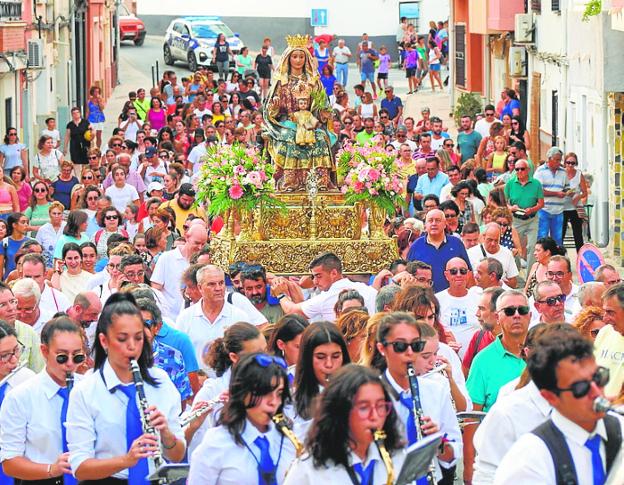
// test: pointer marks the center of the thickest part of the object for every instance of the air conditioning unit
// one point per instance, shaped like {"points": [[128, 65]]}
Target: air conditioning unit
{"points": [[525, 25], [517, 61], [35, 53]]}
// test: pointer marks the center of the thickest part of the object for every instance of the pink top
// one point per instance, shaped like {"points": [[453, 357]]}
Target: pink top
{"points": [[23, 195], [157, 119], [6, 204]]}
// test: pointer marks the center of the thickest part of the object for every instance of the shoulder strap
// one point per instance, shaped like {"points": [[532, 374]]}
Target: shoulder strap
{"points": [[559, 451], [482, 250], [98, 235], [478, 342], [229, 298], [391, 390], [614, 439]]}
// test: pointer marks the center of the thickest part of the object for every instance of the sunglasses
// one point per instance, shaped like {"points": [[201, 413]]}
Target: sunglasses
{"points": [[449, 145], [571, 163], [116, 145], [41, 191], [110, 218], [510, 311], [521, 169], [93, 158], [454, 271], [489, 114], [12, 134], [580, 389], [264, 360], [64, 358], [553, 300], [149, 323], [400, 347], [87, 177]]}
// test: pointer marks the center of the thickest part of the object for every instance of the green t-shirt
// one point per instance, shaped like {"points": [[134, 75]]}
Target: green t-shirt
{"points": [[39, 215], [64, 239], [363, 138], [468, 144], [491, 369], [523, 196]]}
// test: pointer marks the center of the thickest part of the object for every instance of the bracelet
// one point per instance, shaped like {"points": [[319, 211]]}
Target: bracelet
{"points": [[175, 441], [283, 295], [50, 471]]}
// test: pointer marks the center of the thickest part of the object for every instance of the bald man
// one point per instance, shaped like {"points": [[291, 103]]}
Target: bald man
{"points": [[491, 248], [436, 249], [207, 319]]}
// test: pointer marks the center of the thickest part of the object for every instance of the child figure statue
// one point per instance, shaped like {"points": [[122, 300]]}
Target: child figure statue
{"points": [[306, 123]]}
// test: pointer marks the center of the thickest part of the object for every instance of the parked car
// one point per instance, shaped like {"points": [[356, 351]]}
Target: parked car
{"points": [[192, 39], [131, 27]]}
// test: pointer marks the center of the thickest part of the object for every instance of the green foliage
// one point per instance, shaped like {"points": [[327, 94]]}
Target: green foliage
{"points": [[592, 8], [468, 104]]}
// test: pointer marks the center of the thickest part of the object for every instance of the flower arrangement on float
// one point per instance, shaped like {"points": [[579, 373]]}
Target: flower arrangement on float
{"points": [[372, 177], [236, 180]]}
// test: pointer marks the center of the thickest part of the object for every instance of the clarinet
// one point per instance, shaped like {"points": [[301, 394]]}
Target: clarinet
{"points": [[418, 414], [69, 381], [143, 405], [379, 436]]}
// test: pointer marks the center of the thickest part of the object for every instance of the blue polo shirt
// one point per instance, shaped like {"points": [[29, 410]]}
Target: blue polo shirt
{"points": [[180, 341], [452, 247], [392, 105], [427, 185]]}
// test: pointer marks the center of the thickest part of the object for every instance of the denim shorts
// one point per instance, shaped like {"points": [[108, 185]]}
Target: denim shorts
{"points": [[370, 76]]}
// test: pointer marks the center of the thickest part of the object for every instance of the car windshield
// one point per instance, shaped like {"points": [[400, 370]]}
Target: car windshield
{"points": [[211, 31]]}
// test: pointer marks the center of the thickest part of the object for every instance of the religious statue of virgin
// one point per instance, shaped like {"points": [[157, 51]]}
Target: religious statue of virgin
{"points": [[297, 116]]}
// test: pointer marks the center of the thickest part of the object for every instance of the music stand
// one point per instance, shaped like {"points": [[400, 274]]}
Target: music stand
{"points": [[418, 459], [170, 472]]}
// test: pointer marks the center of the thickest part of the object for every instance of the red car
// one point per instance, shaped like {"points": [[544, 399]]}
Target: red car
{"points": [[131, 27]]}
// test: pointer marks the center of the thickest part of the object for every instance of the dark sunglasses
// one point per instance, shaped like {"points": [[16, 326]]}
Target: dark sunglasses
{"points": [[449, 145], [510, 311], [521, 169], [116, 145], [400, 347], [580, 389], [454, 271], [553, 300], [110, 218], [489, 114], [264, 360], [570, 162], [93, 158], [41, 191], [64, 358]]}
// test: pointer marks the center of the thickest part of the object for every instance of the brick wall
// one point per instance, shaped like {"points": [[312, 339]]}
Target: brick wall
{"points": [[12, 36]]}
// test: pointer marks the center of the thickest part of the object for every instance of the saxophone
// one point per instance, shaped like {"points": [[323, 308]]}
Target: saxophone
{"points": [[418, 415], [283, 425], [379, 436], [143, 405]]}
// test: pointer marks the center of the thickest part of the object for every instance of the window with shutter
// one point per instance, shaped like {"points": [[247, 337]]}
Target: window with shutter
{"points": [[555, 5], [460, 55], [536, 6]]}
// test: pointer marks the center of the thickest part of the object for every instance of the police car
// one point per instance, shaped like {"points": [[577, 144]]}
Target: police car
{"points": [[192, 40]]}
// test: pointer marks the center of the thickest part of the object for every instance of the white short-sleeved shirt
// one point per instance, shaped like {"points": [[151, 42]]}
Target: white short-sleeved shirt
{"points": [[196, 153], [459, 315], [52, 301], [321, 306], [168, 272], [220, 460], [504, 256], [122, 197], [202, 331], [96, 416], [30, 420]]}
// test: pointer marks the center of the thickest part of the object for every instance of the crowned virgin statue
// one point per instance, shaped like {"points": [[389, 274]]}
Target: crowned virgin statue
{"points": [[297, 115]]}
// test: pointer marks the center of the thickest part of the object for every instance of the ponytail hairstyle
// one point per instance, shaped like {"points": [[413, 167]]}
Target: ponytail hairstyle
{"points": [[233, 339], [117, 305], [306, 384], [57, 325], [286, 329], [254, 376]]}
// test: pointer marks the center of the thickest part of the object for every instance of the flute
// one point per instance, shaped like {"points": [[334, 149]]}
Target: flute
{"points": [[438, 368], [188, 418], [418, 414]]}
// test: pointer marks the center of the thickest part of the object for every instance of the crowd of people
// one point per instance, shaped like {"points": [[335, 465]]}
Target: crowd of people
{"points": [[106, 265]]}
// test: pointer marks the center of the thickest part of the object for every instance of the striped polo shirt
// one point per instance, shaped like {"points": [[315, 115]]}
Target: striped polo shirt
{"points": [[554, 181]]}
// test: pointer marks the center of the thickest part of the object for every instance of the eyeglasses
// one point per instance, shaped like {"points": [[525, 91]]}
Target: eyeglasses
{"points": [[138, 274], [556, 274], [521, 169], [264, 360], [580, 389], [17, 351], [424, 280], [454, 271], [113, 266], [571, 163], [76, 358], [382, 409], [93, 158], [510, 311], [110, 218], [40, 191], [553, 300], [400, 347], [149, 323], [450, 216], [116, 145], [383, 117], [92, 198]]}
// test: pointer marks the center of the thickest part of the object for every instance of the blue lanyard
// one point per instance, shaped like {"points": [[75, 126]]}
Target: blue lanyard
{"points": [[279, 457]]}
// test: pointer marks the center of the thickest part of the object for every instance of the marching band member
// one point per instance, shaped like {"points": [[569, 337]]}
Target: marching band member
{"points": [[246, 447], [239, 339], [323, 351], [33, 439], [286, 340], [12, 372], [106, 440], [399, 341], [340, 441]]}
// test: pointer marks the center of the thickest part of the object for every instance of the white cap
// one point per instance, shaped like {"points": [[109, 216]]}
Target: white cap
{"points": [[154, 186]]}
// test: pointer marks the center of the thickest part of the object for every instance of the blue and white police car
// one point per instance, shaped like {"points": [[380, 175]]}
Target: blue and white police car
{"points": [[192, 40]]}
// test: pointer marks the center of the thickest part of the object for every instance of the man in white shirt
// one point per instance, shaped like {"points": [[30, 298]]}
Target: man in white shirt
{"points": [[207, 319], [483, 125], [27, 293], [458, 309], [491, 248], [341, 55], [131, 125], [565, 371], [454, 176], [549, 303], [196, 154], [52, 301], [167, 275], [327, 275]]}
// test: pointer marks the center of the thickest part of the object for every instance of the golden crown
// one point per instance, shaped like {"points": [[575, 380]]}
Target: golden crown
{"points": [[297, 41]]}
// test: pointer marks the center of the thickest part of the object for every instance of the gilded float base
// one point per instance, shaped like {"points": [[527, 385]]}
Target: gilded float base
{"points": [[292, 257]]}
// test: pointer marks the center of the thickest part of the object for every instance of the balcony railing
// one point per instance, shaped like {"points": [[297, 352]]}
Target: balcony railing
{"points": [[10, 10]]}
